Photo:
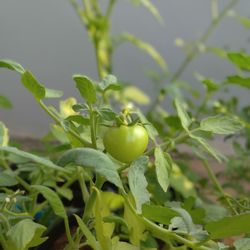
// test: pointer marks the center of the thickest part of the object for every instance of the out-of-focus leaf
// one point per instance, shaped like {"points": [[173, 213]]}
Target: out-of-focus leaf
{"points": [[5, 102], [242, 244], [241, 60], [182, 114], [9, 64], [239, 81], [134, 94], [148, 48], [4, 135], [86, 88], [221, 124], [109, 82]]}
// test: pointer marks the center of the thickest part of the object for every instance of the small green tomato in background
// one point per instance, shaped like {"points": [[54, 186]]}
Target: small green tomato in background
{"points": [[126, 143]]}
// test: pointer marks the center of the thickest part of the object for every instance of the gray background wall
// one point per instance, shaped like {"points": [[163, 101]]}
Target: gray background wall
{"points": [[47, 37]]}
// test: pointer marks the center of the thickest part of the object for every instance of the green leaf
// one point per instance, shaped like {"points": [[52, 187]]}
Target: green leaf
{"points": [[5, 103], [120, 245], [134, 94], [181, 183], [152, 132], [34, 158], [107, 113], [221, 124], [217, 155], [7, 180], [53, 199], [109, 82], [162, 215], [229, 226], [52, 93], [182, 114], [9, 64], [162, 168], [241, 60], [148, 48], [151, 8], [91, 241], [31, 83], [94, 159], [78, 119], [137, 181], [242, 244], [25, 234], [218, 52], [86, 88], [211, 86], [4, 135], [239, 81], [245, 21]]}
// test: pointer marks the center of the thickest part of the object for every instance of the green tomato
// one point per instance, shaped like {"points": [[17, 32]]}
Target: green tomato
{"points": [[126, 143]]}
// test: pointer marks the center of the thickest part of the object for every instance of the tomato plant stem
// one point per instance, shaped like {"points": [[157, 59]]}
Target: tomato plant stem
{"points": [[218, 186], [195, 50], [58, 121]]}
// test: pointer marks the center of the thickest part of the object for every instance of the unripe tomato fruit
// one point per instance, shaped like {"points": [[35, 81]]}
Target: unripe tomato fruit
{"points": [[126, 143]]}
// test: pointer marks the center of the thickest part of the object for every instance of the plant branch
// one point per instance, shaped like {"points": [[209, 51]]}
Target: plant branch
{"points": [[218, 186]]}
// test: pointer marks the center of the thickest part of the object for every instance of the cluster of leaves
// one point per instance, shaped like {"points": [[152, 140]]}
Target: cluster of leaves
{"points": [[155, 202], [141, 211]]}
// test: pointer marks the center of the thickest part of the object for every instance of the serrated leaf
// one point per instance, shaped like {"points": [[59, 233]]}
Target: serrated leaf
{"points": [[4, 135], [137, 181], [91, 241], [241, 60], [86, 88], [34, 158], [221, 124], [25, 234], [53, 199], [93, 159], [148, 48], [109, 82], [217, 155], [162, 215], [32, 84], [242, 244], [239, 81], [162, 168], [5, 102], [182, 114], [229, 226], [9, 64]]}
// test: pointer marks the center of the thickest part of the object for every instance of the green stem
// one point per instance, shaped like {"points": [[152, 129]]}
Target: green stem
{"points": [[195, 50], [92, 126], [162, 233], [57, 120], [110, 8], [84, 190], [68, 233], [218, 186], [91, 201]]}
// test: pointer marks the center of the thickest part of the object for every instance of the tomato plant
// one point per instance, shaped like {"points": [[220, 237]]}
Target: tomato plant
{"points": [[157, 200]]}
